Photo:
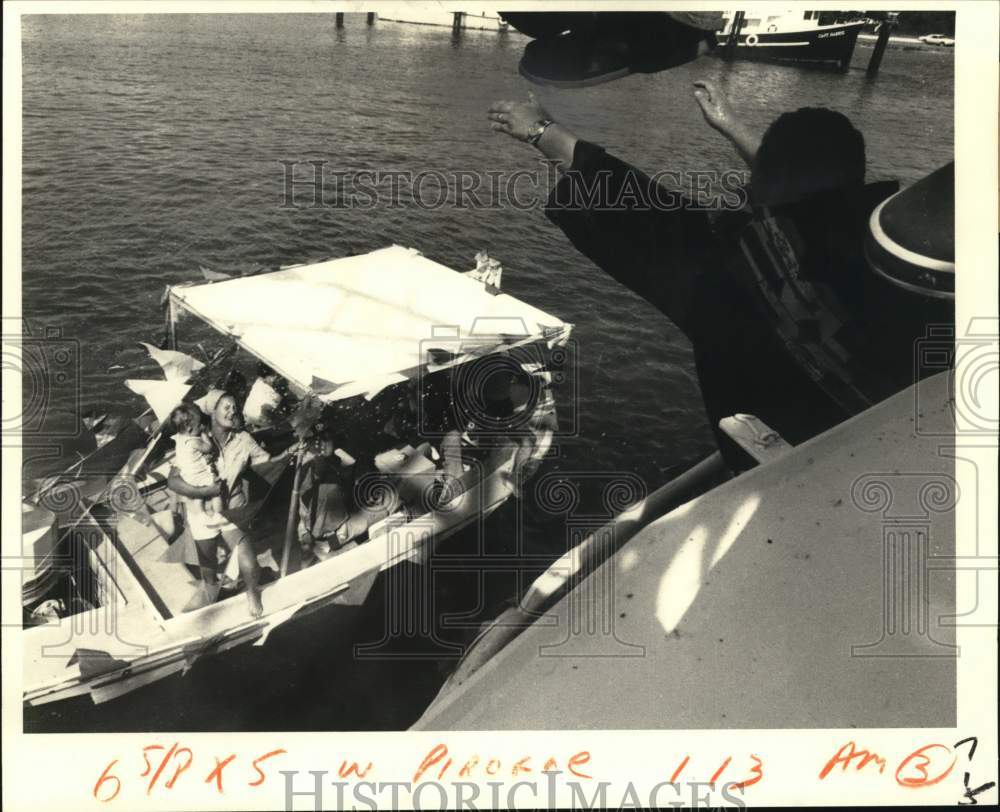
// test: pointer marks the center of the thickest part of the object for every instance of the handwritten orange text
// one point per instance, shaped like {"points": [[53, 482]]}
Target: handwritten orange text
{"points": [[850, 755], [753, 773], [169, 764], [473, 765], [924, 767]]}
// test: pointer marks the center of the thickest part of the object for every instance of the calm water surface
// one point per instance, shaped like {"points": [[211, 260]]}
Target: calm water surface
{"points": [[154, 145]]}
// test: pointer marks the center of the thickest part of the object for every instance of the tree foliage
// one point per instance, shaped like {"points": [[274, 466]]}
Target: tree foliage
{"points": [[916, 23]]}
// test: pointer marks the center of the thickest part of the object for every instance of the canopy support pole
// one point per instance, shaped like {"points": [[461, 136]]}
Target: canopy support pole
{"points": [[293, 513], [171, 322]]}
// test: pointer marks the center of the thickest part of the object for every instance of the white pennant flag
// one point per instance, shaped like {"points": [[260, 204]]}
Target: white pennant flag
{"points": [[162, 396], [177, 366]]}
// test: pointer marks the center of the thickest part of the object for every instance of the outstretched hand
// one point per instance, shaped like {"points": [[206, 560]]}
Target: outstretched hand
{"points": [[715, 106], [720, 115], [516, 118]]}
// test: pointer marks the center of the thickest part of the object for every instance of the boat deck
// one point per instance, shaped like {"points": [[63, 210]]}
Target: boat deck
{"points": [[171, 582], [775, 600]]}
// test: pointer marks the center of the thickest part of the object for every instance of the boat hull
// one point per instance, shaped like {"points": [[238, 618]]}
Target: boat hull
{"points": [[117, 675], [826, 46], [129, 642]]}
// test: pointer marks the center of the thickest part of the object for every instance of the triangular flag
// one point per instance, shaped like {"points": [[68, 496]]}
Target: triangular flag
{"points": [[92, 662], [373, 386], [162, 396], [213, 276], [440, 355], [177, 366], [321, 386]]}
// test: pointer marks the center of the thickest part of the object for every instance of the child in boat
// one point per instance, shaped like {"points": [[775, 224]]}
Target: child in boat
{"points": [[195, 453]]}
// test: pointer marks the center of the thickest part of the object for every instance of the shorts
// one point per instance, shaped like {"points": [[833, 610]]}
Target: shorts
{"points": [[203, 525]]}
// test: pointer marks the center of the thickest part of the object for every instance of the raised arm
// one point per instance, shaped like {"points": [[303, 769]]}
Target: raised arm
{"points": [[638, 231], [179, 485], [523, 120], [720, 116]]}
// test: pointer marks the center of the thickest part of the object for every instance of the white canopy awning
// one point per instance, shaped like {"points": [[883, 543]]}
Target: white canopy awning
{"points": [[352, 326]]}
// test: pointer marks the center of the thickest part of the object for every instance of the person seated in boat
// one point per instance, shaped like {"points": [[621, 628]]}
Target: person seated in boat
{"points": [[495, 418], [786, 319], [236, 451], [268, 401], [326, 498], [195, 453], [403, 423], [402, 442], [438, 421]]}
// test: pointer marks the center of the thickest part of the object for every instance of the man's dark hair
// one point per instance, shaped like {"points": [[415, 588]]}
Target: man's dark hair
{"points": [[806, 153]]}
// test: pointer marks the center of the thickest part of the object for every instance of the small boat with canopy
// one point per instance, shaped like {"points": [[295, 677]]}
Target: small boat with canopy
{"points": [[436, 386]]}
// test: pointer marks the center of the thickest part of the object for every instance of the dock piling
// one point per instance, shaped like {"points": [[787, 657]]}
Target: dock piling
{"points": [[734, 36], [884, 29], [340, 19], [371, 18]]}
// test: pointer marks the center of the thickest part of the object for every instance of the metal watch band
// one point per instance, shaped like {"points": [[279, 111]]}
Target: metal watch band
{"points": [[539, 128]]}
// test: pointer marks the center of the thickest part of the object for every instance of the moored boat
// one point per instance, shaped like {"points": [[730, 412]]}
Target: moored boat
{"points": [[791, 36]]}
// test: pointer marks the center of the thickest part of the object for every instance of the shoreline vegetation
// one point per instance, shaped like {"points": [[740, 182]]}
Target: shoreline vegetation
{"points": [[907, 24]]}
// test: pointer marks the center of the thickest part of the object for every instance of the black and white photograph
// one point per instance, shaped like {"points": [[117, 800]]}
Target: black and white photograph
{"points": [[428, 368]]}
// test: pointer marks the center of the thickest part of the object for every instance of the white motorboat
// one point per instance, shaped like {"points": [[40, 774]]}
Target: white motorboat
{"points": [[348, 336]]}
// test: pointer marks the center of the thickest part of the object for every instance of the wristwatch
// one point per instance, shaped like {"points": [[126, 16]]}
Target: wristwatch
{"points": [[535, 130]]}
